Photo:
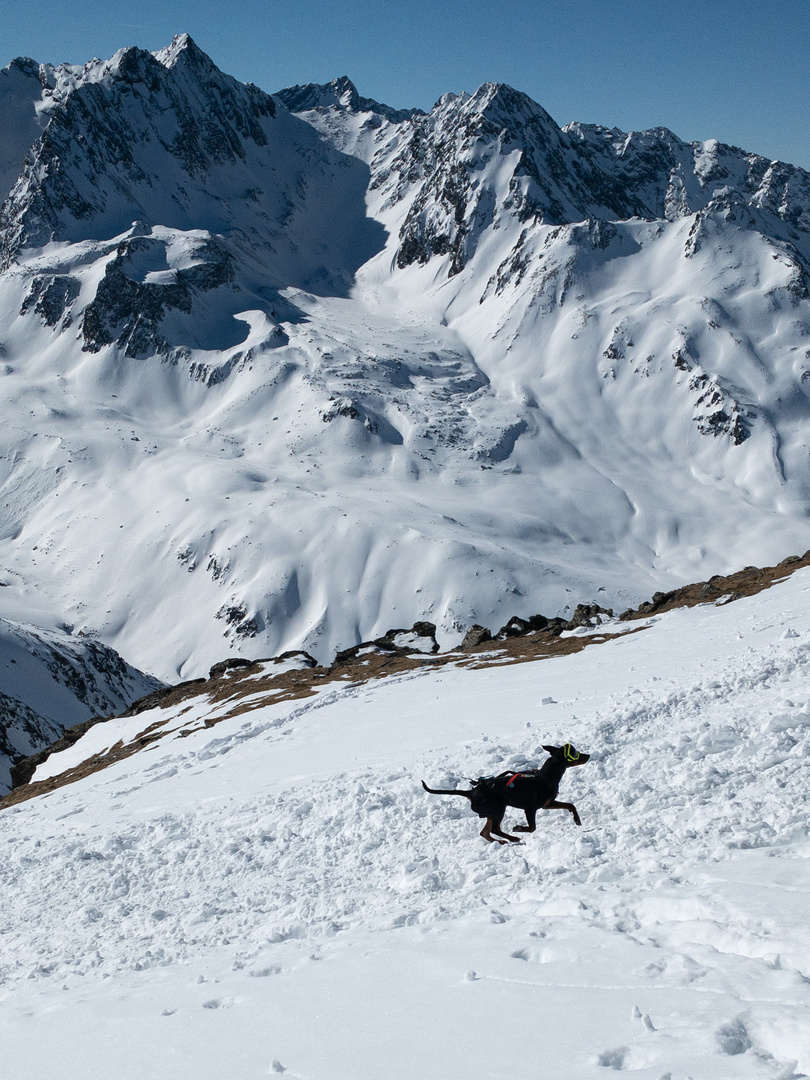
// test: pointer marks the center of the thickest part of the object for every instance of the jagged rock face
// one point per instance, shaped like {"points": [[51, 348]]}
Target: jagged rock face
{"points": [[542, 177], [673, 179], [51, 681], [167, 139], [341, 93], [545, 174], [23, 731], [282, 372], [128, 309], [110, 136]]}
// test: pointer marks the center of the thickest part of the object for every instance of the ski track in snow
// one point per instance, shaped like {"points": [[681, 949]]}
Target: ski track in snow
{"points": [[289, 869]]}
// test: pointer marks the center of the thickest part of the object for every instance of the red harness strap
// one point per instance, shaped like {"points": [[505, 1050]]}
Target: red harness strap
{"points": [[512, 779]]}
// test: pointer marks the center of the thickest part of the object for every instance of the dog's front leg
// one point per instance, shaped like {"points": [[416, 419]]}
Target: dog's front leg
{"points": [[531, 822], [552, 805]]}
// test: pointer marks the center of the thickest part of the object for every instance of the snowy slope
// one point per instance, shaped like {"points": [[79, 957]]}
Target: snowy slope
{"points": [[278, 894], [52, 680], [280, 380]]}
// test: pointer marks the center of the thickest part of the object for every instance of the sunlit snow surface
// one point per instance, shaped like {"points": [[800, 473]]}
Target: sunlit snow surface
{"points": [[271, 381], [278, 893]]}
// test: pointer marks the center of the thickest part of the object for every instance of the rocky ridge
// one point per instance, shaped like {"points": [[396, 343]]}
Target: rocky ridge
{"points": [[555, 175], [236, 685]]}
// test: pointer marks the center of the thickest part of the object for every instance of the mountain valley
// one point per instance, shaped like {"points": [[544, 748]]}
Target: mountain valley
{"points": [[451, 367]]}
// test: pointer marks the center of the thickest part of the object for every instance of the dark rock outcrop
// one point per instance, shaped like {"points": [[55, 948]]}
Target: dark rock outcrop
{"points": [[420, 638], [476, 635]]}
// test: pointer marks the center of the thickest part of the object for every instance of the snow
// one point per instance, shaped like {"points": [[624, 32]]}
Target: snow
{"points": [[328, 443], [52, 680], [20, 92], [278, 894], [433, 378]]}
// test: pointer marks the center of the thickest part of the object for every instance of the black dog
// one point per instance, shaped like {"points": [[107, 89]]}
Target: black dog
{"points": [[530, 790]]}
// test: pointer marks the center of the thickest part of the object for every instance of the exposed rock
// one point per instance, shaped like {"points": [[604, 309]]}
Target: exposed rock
{"points": [[518, 626], [476, 635], [295, 657], [117, 157], [514, 628], [730, 587], [128, 312], [51, 296], [53, 680], [420, 638], [341, 94], [238, 622], [555, 179], [23, 770], [589, 615], [228, 665]]}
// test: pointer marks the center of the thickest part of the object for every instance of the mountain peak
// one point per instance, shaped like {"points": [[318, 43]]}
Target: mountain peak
{"points": [[345, 92], [23, 64], [340, 93], [183, 49], [501, 102]]}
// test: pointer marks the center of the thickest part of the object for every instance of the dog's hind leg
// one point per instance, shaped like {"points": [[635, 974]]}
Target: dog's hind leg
{"points": [[531, 822], [493, 825], [486, 832]]}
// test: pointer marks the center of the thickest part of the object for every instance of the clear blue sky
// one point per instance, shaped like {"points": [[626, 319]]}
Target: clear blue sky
{"points": [[736, 70]]}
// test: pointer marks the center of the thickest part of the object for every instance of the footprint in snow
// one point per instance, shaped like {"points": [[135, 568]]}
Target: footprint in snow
{"points": [[218, 1003], [733, 1038], [613, 1059], [277, 1067]]}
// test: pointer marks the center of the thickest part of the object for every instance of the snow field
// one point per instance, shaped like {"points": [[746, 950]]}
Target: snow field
{"points": [[278, 893], [553, 422]]}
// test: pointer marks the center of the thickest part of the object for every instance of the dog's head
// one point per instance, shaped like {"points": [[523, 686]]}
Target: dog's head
{"points": [[568, 755]]}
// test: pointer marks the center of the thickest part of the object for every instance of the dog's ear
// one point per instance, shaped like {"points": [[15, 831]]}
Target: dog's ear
{"points": [[555, 751]]}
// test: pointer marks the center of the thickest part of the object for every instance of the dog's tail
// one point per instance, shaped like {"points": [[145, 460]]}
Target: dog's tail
{"points": [[445, 791]]}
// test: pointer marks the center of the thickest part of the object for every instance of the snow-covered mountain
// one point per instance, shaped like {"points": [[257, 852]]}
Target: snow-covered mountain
{"points": [[452, 367], [264, 887], [51, 680]]}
